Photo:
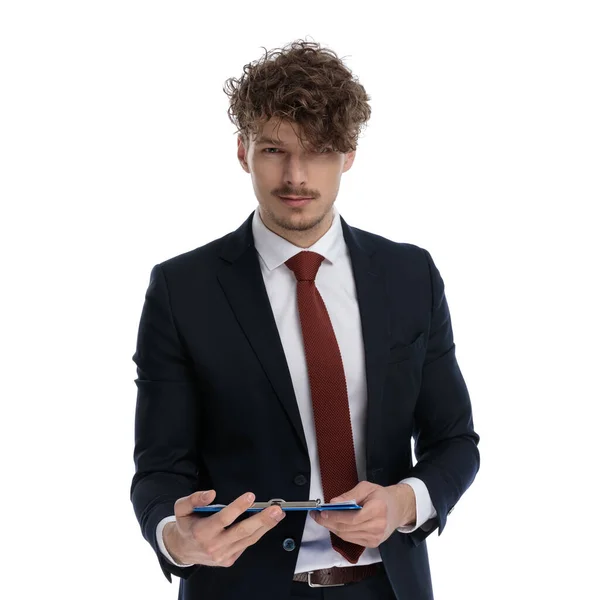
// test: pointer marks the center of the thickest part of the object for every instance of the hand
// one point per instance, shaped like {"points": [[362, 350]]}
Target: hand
{"points": [[191, 539], [383, 510]]}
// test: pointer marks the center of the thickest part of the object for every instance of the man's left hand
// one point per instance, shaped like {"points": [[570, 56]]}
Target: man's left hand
{"points": [[383, 510]]}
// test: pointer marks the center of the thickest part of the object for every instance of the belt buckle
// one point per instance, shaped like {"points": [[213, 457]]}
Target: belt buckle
{"points": [[320, 585]]}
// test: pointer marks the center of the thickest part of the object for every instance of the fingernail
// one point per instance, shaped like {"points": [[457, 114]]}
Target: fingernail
{"points": [[277, 515], [250, 497], [204, 495]]}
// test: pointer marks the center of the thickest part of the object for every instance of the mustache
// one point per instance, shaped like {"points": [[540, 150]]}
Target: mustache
{"points": [[297, 194]]}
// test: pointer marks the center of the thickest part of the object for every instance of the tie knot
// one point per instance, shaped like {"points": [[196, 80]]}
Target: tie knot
{"points": [[305, 265]]}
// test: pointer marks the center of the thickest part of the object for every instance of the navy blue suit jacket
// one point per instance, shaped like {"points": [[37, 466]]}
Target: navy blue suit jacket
{"points": [[216, 408]]}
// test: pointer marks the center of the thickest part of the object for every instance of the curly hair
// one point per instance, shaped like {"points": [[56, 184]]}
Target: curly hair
{"points": [[304, 84]]}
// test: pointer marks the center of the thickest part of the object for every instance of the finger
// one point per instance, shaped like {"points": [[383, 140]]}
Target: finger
{"points": [[362, 540], [248, 532], [344, 517], [340, 516], [185, 506], [255, 526], [359, 536], [337, 526], [236, 556], [227, 515], [229, 562], [354, 517], [358, 493]]}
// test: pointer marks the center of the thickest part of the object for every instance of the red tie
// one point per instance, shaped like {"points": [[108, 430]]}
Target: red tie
{"points": [[328, 390]]}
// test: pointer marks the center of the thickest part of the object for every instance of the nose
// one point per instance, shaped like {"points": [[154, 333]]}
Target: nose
{"points": [[295, 173]]}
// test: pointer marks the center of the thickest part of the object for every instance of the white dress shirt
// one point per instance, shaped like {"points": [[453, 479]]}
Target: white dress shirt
{"points": [[335, 282]]}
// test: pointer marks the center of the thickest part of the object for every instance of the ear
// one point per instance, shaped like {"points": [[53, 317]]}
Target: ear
{"points": [[242, 154], [349, 160]]}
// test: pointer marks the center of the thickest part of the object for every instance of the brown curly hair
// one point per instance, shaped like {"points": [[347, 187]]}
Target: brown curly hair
{"points": [[304, 84]]}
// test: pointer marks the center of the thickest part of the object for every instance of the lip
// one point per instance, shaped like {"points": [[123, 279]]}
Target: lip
{"points": [[296, 197], [295, 202]]}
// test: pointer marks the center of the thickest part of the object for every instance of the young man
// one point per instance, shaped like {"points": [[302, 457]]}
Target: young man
{"points": [[294, 358]]}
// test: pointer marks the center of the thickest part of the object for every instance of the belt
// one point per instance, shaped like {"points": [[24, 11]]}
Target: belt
{"points": [[338, 575]]}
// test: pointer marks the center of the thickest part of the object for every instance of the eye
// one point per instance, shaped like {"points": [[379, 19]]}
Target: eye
{"points": [[277, 151]]}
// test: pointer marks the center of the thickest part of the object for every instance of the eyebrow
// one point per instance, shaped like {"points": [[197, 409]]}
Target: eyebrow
{"points": [[268, 140]]}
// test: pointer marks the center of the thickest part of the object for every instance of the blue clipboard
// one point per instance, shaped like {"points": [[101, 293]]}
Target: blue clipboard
{"points": [[288, 506]]}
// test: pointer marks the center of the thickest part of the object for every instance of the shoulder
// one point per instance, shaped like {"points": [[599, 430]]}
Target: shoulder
{"points": [[199, 261], [393, 253]]}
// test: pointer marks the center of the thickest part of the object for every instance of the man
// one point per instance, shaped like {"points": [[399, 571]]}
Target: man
{"points": [[294, 358]]}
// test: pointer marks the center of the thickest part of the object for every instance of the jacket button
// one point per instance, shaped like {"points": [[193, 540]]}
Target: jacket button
{"points": [[300, 480], [289, 544]]}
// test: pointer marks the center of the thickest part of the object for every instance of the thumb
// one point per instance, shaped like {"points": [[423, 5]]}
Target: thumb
{"points": [[357, 493], [349, 495], [185, 506]]}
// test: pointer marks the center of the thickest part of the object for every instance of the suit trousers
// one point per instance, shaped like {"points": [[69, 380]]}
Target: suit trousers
{"points": [[376, 587]]}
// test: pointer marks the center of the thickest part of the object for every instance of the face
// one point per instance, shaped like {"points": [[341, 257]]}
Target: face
{"points": [[280, 166]]}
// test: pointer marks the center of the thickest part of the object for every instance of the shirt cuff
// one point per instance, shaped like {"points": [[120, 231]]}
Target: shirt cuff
{"points": [[161, 543], [425, 508]]}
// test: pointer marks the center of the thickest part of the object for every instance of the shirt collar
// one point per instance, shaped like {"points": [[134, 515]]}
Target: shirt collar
{"points": [[275, 250]]}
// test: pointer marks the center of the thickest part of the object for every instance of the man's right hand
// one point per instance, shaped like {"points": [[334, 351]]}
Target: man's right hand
{"points": [[191, 539]]}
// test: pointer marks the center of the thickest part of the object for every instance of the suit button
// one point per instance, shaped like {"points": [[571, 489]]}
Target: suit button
{"points": [[300, 480], [289, 544]]}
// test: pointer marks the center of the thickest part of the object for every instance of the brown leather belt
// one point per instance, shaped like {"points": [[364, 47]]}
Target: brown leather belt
{"points": [[338, 575]]}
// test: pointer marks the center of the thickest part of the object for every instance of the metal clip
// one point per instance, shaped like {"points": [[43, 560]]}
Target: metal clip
{"points": [[276, 502]]}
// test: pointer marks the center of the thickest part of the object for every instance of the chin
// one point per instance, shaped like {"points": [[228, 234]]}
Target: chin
{"points": [[302, 218], [299, 221]]}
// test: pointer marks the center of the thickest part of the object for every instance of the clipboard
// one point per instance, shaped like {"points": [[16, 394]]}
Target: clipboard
{"points": [[288, 506]]}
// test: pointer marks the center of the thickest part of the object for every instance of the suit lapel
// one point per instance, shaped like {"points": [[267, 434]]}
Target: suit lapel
{"points": [[375, 322], [242, 283]]}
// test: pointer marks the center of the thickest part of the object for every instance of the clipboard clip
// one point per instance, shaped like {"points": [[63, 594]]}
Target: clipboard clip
{"points": [[282, 503], [276, 502]]}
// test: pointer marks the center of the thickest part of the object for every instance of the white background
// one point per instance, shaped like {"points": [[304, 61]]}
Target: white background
{"points": [[116, 154]]}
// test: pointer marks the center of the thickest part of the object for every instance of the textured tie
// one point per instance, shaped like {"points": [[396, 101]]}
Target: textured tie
{"points": [[328, 391]]}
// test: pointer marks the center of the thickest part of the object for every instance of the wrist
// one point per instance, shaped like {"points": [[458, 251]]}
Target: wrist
{"points": [[171, 542], [408, 505]]}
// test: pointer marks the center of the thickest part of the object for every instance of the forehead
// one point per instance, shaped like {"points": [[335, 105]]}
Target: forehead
{"points": [[280, 133]]}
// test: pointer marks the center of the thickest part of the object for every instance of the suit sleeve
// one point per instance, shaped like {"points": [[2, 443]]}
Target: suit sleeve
{"points": [[445, 440], [166, 466]]}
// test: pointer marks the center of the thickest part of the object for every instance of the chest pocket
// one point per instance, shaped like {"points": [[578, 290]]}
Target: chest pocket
{"points": [[401, 352]]}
